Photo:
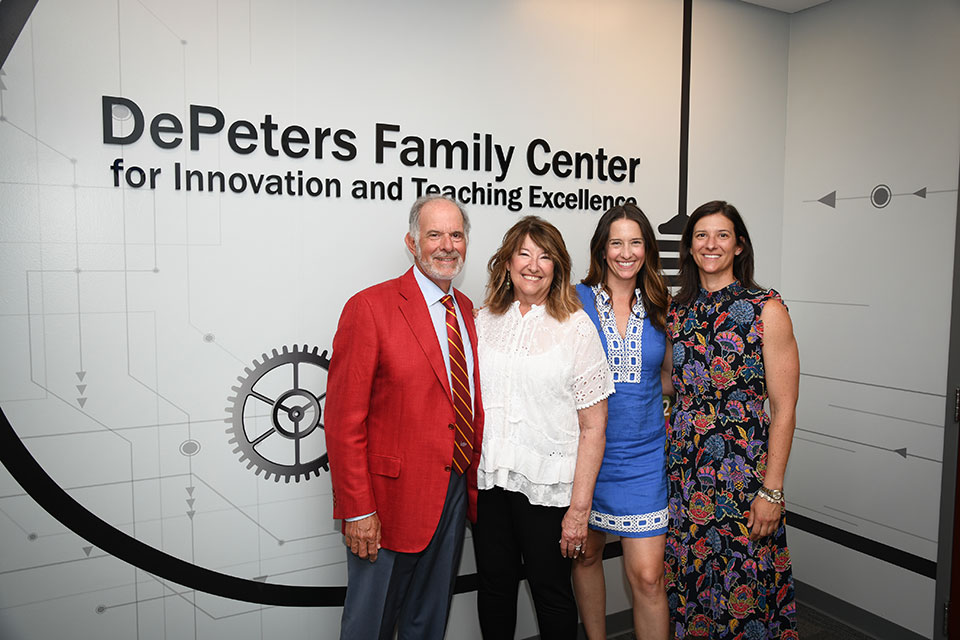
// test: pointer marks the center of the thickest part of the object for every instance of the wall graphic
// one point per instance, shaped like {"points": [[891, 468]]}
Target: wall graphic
{"points": [[870, 212], [880, 196], [190, 192], [290, 443]]}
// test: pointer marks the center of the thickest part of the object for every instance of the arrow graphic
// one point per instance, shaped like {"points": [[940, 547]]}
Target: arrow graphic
{"points": [[81, 387], [191, 512], [880, 197], [902, 451]]}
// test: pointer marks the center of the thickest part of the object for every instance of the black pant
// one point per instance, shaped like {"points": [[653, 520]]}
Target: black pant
{"points": [[511, 536]]}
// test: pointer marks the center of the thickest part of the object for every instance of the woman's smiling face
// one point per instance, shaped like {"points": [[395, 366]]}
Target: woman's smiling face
{"points": [[625, 250], [531, 272], [714, 245]]}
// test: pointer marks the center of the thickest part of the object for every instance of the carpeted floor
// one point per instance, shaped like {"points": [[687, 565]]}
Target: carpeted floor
{"points": [[812, 625]]}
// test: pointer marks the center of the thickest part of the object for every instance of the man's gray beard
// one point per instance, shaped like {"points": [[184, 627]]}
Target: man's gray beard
{"points": [[427, 269]]}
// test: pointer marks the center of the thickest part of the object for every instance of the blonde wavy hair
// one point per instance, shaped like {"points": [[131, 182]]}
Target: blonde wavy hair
{"points": [[562, 299]]}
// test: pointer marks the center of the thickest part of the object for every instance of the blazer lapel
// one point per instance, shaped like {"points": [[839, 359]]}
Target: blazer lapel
{"points": [[414, 310]]}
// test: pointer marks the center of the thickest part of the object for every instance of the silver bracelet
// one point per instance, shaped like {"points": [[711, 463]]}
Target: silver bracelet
{"points": [[762, 493]]}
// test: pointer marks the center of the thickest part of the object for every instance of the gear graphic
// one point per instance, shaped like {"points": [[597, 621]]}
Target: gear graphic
{"points": [[274, 416]]}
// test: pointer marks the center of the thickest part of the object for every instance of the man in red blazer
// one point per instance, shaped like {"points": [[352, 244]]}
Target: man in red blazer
{"points": [[393, 434]]}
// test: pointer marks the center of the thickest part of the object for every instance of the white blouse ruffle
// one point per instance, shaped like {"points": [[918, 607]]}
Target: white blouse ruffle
{"points": [[535, 373]]}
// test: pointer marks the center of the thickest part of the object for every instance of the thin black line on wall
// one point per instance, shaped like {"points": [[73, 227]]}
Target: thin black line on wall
{"points": [[13, 16], [685, 106]]}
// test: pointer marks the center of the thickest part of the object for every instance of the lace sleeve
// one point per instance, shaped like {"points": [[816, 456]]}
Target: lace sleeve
{"points": [[592, 378]]}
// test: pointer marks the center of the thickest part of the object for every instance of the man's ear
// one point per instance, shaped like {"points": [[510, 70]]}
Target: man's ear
{"points": [[411, 245]]}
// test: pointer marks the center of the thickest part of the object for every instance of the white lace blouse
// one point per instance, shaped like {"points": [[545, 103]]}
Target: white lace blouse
{"points": [[535, 373]]}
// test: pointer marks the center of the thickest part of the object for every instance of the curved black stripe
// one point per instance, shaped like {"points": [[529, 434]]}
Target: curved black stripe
{"points": [[49, 495]]}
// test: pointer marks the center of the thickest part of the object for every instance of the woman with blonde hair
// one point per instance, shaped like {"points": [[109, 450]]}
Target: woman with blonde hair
{"points": [[545, 382]]}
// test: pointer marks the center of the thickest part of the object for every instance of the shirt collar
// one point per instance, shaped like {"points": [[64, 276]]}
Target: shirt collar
{"points": [[431, 292], [535, 309], [722, 295], [604, 303]]}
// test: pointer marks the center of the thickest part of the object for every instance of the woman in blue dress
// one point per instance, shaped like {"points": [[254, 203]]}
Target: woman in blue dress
{"points": [[625, 295]]}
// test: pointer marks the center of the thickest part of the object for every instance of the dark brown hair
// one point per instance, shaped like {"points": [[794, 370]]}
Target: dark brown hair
{"points": [[689, 275], [562, 299], [653, 288]]}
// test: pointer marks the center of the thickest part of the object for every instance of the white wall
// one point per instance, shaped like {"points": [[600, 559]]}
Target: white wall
{"points": [[738, 106], [873, 100]]}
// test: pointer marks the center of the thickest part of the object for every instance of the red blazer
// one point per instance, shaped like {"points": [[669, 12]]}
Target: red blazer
{"points": [[389, 415]]}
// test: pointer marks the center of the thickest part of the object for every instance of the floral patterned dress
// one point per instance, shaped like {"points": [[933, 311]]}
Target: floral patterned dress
{"points": [[719, 583]]}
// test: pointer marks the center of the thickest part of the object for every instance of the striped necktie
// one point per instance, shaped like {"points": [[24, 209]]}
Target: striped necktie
{"points": [[460, 386]]}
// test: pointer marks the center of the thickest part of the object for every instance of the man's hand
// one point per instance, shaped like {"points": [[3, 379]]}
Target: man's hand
{"points": [[363, 537]]}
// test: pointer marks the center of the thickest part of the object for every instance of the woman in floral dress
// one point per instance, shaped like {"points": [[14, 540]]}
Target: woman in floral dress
{"points": [[727, 565]]}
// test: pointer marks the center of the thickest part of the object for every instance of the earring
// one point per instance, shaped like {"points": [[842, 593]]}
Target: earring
{"points": [[509, 282]]}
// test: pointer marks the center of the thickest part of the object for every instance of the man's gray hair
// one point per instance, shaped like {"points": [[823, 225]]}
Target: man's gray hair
{"points": [[430, 197]]}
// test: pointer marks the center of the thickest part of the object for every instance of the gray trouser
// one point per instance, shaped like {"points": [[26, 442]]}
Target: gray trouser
{"points": [[408, 591]]}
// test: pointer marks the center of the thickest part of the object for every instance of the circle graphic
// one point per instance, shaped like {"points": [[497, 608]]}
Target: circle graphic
{"points": [[189, 447], [881, 196]]}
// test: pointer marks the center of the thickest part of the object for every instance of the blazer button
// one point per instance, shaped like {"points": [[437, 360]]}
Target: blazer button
{"points": [[450, 426], [446, 468]]}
